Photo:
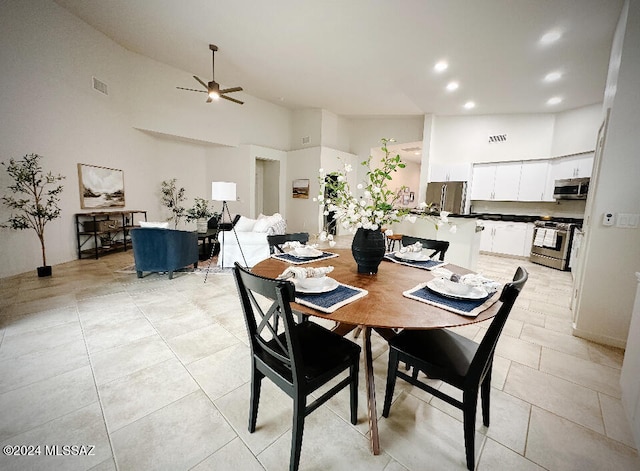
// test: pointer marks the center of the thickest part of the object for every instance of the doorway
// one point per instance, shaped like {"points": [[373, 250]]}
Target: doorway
{"points": [[267, 186]]}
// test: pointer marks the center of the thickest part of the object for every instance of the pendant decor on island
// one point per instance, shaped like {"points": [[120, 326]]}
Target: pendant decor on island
{"points": [[368, 250]]}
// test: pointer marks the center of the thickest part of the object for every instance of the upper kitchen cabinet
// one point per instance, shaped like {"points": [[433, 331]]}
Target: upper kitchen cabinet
{"points": [[533, 181], [444, 172], [575, 166], [498, 182]]}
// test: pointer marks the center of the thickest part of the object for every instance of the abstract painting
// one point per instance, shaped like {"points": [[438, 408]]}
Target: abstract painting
{"points": [[100, 187]]}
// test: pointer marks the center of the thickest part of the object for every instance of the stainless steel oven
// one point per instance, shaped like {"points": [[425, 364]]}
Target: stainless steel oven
{"points": [[552, 244]]}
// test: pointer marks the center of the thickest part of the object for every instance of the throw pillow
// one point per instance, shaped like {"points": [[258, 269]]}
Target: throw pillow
{"points": [[280, 227], [245, 224], [262, 225], [160, 225]]}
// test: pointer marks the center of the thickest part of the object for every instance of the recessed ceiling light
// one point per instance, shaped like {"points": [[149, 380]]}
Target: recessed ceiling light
{"points": [[451, 86], [417, 153], [441, 66], [550, 37], [554, 100], [553, 76], [469, 105]]}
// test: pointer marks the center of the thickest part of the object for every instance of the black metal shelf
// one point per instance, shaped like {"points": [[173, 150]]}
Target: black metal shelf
{"points": [[104, 232]]}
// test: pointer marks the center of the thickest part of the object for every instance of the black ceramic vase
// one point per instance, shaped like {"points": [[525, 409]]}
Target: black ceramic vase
{"points": [[368, 250]]}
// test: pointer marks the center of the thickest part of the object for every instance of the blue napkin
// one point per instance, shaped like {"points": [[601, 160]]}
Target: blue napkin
{"points": [[285, 257], [332, 300]]}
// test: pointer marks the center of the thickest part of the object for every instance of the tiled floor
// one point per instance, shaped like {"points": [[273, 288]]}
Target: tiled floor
{"points": [[154, 374]]}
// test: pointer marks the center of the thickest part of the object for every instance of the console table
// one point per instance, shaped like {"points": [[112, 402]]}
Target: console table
{"points": [[99, 233]]}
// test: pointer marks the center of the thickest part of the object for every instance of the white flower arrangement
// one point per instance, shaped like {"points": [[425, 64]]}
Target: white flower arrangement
{"points": [[377, 207]]}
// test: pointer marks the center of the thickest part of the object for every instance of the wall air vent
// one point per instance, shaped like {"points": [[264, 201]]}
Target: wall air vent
{"points": [[412, 149], [497, 138], [100, 86], [306, 140]]}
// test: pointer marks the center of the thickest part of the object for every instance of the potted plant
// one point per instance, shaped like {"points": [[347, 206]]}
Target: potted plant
{"points": [[200, 212], [171, 198], [35, 199]]}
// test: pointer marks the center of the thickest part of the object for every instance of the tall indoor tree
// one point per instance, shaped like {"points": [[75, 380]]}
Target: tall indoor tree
{"points": [[34, 199]]}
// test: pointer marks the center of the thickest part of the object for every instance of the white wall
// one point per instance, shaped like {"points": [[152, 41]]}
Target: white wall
{"points": [[47, 59], [611, 255], [302, 213], [466, 138], [575, 130]]}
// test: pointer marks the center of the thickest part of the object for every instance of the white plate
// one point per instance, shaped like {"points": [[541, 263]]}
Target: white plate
{"points": [[413, 256], [451, 289], [319, 285], [306, 252]]}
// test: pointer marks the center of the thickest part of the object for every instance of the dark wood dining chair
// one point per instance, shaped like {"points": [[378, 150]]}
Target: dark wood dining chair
{"points": [[299, 359], [276, 241], [439, 247], [454, 359]]}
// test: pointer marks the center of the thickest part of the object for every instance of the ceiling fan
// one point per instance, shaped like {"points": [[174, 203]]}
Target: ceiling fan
{"points": [[213, 88]]}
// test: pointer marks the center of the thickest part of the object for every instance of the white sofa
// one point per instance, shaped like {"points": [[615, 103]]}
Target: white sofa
{"points": [[252, 235]]}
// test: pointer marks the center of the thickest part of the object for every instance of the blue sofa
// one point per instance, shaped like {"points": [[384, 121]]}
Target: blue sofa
{"points": [[163, 250]]}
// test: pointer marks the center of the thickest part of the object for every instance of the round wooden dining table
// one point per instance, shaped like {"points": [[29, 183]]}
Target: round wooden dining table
{"points": [[384, 308]]}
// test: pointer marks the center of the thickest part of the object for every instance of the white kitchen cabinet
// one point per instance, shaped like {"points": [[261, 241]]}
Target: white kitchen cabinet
{"points": [[444, 172], [576, 166], [483, 179], [533, 181], [499, 182], [504, 237]]}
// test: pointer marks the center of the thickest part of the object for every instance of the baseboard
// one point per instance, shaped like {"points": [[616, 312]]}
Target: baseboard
{"points": [[599, 338]]}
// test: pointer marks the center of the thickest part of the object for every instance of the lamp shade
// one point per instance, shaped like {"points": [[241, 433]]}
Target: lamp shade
{"points": [[223, 191]]}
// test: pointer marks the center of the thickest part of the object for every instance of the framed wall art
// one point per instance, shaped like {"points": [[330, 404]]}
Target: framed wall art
{"points": [[301, 188], [100, 187]]}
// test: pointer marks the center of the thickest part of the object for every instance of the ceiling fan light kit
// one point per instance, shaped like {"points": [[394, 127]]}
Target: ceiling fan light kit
{"points": [[212, 89]]}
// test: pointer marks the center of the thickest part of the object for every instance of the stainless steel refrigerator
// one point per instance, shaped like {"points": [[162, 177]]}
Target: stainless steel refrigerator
{"points": [[447, 196]]}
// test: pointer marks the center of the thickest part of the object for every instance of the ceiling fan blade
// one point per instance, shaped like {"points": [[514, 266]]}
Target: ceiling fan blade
{"points": [[232, 99], [201, 82], [192, 90], [229, 90]]}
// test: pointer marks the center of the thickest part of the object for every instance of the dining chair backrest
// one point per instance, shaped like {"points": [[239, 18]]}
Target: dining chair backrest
{"points": [[276, 241], [439, 247], [262, 324], [483, 358]]}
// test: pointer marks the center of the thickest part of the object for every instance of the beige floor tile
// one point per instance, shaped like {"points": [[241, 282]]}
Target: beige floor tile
{"points": [[563, 326], [223, 371], [40, 340], [130, 398], [416, 433], [274, 414], [40, 320], [125, 359], [526, 316], [322, 449], [559, 444], [583, 372], [509, 420], [202, 342], [36, 404], [178, 436], [519, 351], [183, 323], [556, 395], [83, 427], [394, 466], [604, 355], [616, 424], [556, 341], [499, 457], [104, 336], [43, 364], [234, 455]]}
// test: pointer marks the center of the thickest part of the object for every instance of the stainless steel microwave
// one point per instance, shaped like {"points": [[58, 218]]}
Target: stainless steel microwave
{"points": [[571, 189]]}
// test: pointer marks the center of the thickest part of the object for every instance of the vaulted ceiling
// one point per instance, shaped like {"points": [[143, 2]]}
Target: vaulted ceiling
{"points": [[376, 57]]}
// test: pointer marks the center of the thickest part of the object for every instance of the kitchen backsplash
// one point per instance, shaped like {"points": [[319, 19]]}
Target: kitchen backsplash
{"points": [[564, 208]]}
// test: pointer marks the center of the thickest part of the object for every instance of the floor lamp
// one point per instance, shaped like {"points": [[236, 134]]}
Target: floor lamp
{"points": [[225, 191]]}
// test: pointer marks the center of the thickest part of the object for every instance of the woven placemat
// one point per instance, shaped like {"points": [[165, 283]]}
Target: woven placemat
{"points": [[332, 300], [465, 307], [285, 257], [424, 264]]}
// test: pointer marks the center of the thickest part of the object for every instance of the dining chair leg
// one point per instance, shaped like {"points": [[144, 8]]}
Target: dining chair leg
{"points": [[354, 393], [485, 395], [470, 404], [299, 411], [256, 382], [391, 382]]}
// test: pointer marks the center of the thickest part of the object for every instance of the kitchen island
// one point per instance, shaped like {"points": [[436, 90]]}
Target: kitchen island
{"points": [[464, 243]]}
